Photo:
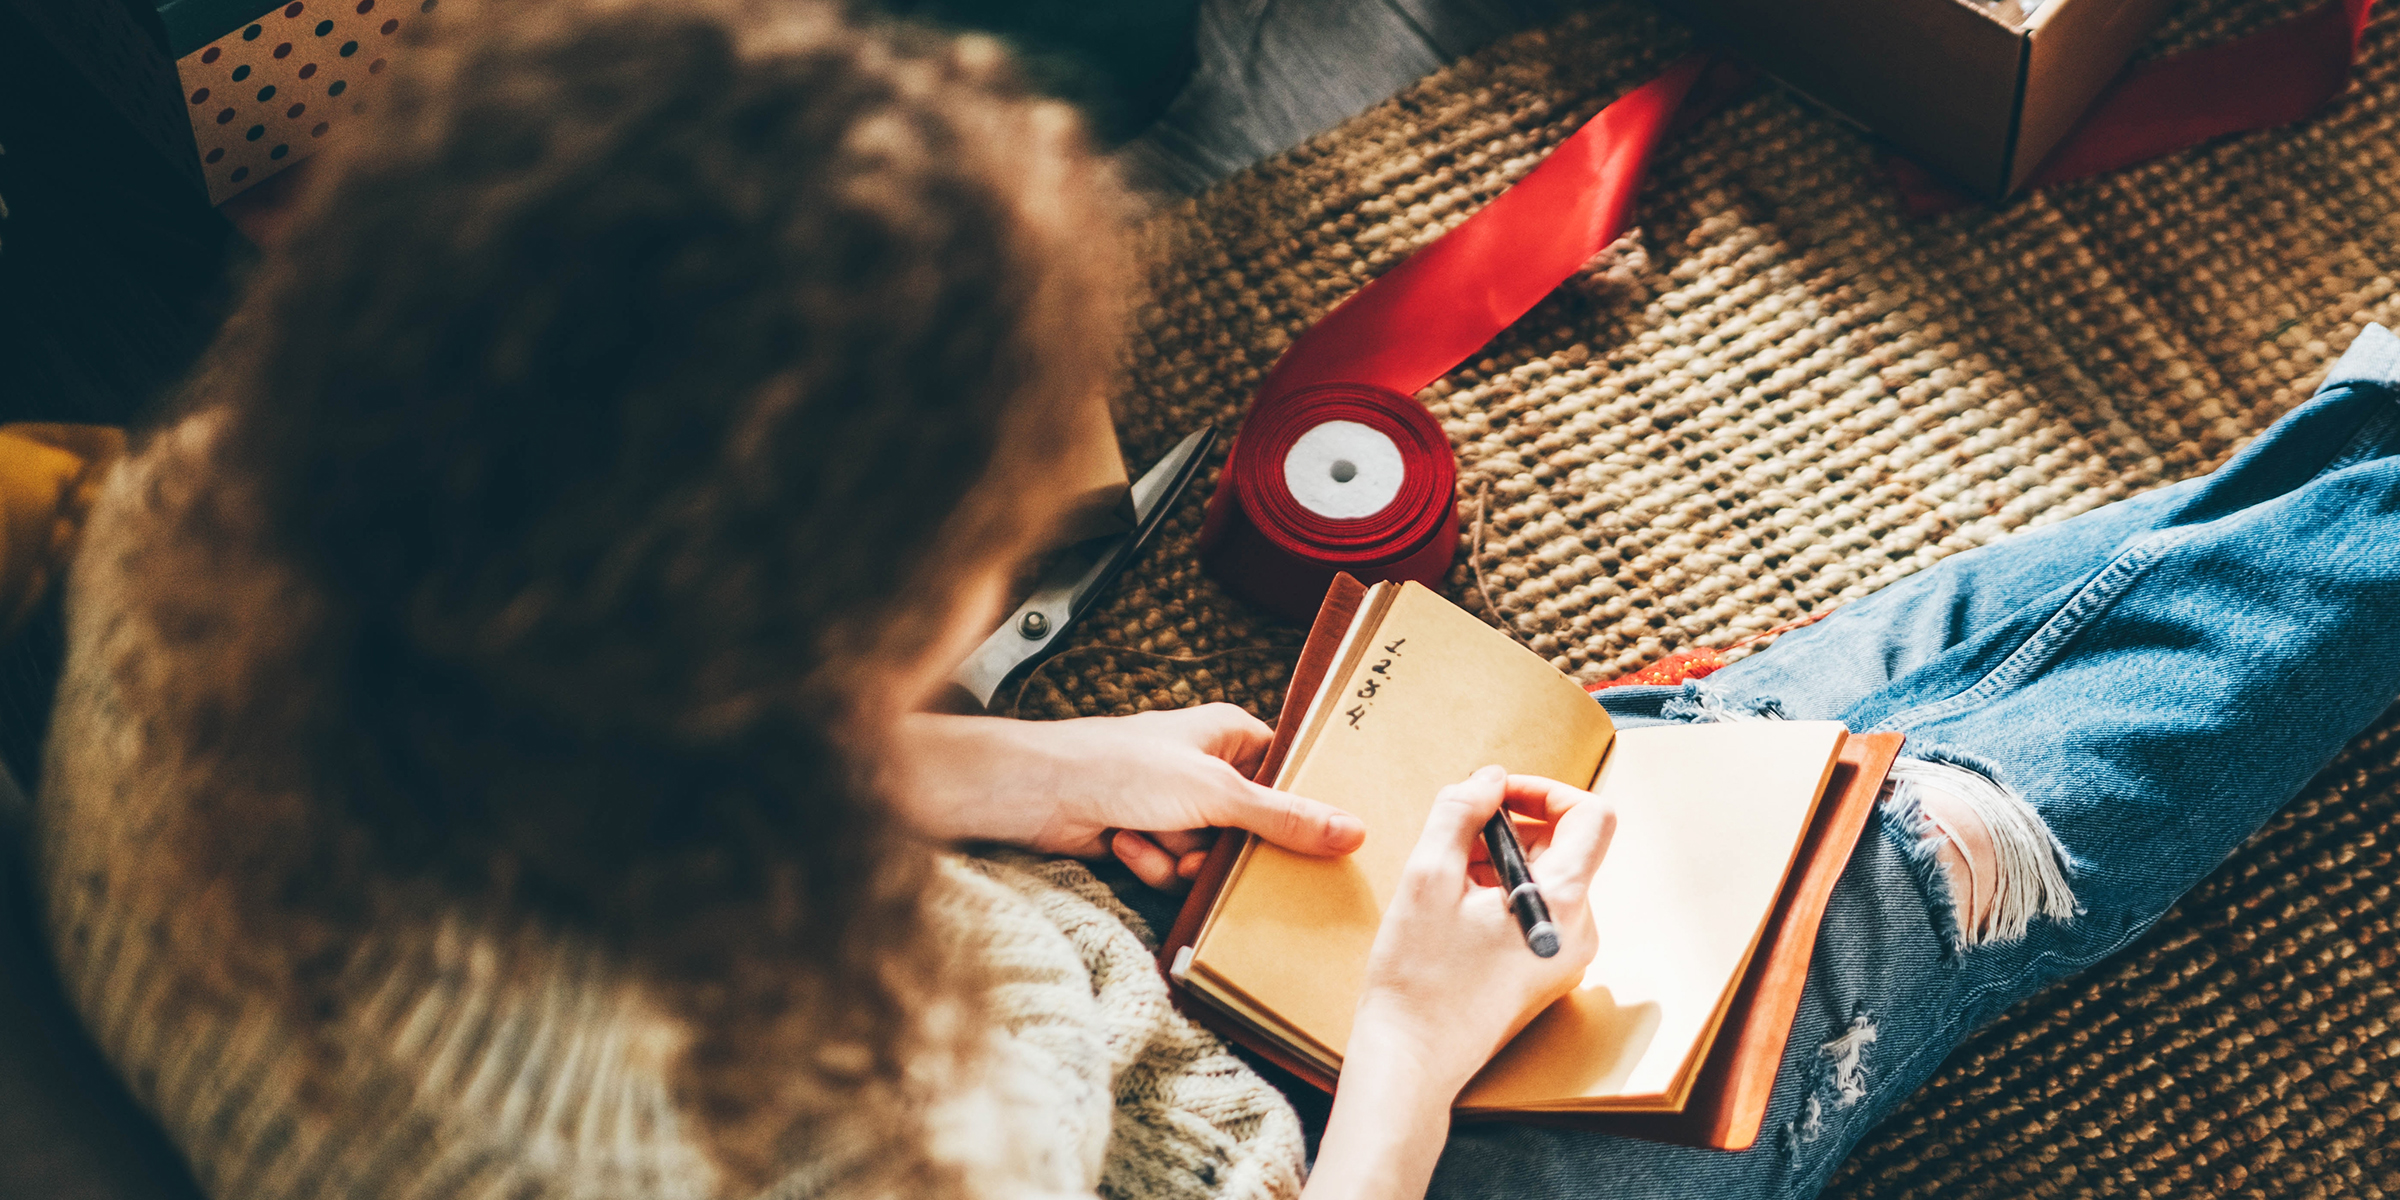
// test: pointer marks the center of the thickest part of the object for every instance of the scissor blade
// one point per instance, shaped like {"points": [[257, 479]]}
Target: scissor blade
{"points": [[1153, 494], [1165, 481], [1072, 583]]}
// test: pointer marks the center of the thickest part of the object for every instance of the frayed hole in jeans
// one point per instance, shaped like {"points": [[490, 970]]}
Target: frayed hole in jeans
{"points": [[1702, 706], [1839, 1081], [1987, 856]]}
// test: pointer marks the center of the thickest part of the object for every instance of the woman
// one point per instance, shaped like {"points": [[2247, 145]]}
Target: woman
{"points": [[494, 758], [488, 764]]}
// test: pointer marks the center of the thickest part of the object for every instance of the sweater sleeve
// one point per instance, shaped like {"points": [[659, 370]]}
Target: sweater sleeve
{"points": [[476, 1063], [483, 1060], [1188, 1118]]}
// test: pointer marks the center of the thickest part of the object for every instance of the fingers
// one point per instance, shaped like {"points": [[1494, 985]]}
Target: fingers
{"points": [[1180, 842], [1165, 861], [1578, 842], [1189, 847], [1148, 863], [1292, 822], [1542, 799], [1225, 731], [1455, 824]]}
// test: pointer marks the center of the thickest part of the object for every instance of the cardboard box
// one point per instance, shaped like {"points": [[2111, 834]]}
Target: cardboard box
{"points": [[231, 91], [1094, 474], [1978, 92]]}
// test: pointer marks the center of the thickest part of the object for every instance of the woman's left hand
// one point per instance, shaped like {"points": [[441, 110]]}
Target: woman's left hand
{"points": [[1149, 788]]}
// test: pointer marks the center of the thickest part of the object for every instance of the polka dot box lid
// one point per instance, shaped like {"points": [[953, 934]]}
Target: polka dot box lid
{"points": [[266, 92]]}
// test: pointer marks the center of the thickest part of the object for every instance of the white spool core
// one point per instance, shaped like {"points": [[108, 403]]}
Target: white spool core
{"points": [[1343, 470]]}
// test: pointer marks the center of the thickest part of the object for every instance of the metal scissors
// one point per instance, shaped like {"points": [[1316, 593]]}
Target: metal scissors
{"points": [[1070, 585]]}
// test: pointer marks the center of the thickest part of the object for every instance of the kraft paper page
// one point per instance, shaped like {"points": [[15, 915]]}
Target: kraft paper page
{"points": [[1436, 694], [1709, 818]]}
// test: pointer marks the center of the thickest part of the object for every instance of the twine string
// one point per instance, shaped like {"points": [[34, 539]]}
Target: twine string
{"points": [[1483, 587]]}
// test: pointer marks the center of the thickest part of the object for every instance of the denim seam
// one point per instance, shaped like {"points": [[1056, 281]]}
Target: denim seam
{"points": [[2367, 442], [2035, 653]]}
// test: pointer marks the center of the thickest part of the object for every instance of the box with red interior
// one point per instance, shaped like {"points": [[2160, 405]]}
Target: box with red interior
{"points": [[1979, 92]]}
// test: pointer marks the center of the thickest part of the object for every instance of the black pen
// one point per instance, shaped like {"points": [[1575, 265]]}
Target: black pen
{"points": [[1524, 895]]}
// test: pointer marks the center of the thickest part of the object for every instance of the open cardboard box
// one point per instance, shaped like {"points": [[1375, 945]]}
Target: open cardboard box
{"points": [[1980, 92]]}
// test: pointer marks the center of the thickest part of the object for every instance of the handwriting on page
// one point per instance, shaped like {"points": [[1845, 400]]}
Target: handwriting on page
{"points": [[1371, 684]]}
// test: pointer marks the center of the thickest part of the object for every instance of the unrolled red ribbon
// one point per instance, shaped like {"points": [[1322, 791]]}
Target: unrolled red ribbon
{"points": [[1402, 332], [1406, 329], [1425, 316]]}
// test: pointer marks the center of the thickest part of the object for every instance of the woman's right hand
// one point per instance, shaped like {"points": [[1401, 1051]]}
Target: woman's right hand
{"points": [[1450, 979]]}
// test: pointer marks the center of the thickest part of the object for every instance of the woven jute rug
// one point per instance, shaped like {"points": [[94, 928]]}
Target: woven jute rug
{"points": [[1779, 393]]}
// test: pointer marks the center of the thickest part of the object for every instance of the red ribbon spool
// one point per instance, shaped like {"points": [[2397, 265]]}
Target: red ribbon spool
{"points": [[1402, 332], [1275, 551]]}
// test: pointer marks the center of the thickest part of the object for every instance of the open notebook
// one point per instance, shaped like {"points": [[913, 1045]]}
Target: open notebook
{"points": [[1729, 838]]}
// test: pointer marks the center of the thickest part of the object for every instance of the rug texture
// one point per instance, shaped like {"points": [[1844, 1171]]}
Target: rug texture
{"points": [[1779, 393]]}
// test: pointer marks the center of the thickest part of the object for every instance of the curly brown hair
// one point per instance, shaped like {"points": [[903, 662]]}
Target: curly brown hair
{"points": [[644, 378]]}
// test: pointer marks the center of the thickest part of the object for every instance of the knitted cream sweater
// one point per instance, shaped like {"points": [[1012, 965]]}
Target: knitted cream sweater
{"points": [[485, 1064]]}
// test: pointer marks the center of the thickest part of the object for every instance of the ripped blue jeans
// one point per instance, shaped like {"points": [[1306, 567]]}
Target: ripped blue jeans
{"points": [[2144, 684]]}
